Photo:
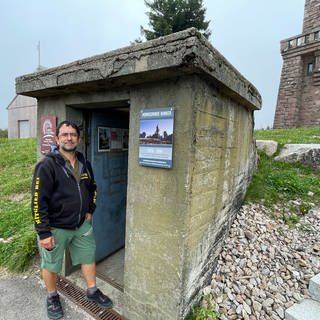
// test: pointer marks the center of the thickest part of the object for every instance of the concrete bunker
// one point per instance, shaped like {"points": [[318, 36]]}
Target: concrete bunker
{"points": [[166, 224]]}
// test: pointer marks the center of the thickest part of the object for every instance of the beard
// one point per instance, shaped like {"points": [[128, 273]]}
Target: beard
{"points": [[69, 148]]}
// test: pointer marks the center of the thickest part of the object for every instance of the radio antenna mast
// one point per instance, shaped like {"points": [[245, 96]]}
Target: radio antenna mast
{"points": [[38, 47]]}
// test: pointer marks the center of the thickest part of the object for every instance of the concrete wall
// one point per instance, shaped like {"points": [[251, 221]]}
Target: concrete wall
{"points": [[221, 170], [177, 219]]}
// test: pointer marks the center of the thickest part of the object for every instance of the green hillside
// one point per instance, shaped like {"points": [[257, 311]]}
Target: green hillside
{"points": [[17, 237], [283, 136], [277, 182]]}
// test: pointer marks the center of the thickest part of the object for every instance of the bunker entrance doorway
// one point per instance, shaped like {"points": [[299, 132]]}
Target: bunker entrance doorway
{"points": [[107, 150]]}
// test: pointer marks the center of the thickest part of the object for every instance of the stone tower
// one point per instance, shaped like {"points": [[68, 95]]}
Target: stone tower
{"points": [[298, 102]]}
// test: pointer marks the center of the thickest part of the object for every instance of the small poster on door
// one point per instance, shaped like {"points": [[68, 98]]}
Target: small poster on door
{"points": [[112, 139], [156, 137], [116, 139], [103, 139]]}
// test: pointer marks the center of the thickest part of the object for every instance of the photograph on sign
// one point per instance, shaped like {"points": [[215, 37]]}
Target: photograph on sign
{"points": [[156, 137]]}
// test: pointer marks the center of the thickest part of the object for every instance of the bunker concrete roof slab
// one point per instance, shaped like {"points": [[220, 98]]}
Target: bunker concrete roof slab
{"points": [[185, 52]]}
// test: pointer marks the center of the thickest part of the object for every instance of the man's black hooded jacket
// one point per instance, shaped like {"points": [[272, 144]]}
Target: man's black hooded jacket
{"points": [[58, 200]]}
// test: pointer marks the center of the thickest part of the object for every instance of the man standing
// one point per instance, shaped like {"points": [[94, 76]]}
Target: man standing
{"points": [[63, 202]]}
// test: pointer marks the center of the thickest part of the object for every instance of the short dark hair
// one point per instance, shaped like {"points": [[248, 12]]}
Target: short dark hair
{"points": [[68, 124]]}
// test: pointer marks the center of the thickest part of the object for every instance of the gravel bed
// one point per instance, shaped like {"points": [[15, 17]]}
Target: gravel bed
{"points": [[265, 266]]}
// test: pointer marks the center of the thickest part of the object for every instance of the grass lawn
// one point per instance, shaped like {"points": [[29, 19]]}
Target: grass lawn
{"points": [[18, 243]]}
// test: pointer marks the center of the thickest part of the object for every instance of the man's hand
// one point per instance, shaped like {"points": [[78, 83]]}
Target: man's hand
{"points": [[47, 243], [88, 216]]}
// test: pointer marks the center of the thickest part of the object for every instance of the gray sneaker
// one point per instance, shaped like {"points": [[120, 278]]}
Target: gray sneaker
{"points": [[54, 308], [100, 299]]}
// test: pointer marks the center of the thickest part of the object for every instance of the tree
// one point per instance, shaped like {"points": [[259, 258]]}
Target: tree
{"points": [[169, 16], [3, 133]]}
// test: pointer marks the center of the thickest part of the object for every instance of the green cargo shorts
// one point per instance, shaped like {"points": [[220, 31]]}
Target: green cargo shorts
{"points": [[80, 242]]}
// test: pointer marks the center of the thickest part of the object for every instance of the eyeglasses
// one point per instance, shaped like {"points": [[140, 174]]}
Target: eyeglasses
{"points": [[67, 134]]}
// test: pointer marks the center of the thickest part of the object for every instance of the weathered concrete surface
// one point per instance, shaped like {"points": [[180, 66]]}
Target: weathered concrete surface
{"points": [[176, 219], [307, 308], [314, 287], [268, 146], [24, 298], [307, 154], [177, 54]]}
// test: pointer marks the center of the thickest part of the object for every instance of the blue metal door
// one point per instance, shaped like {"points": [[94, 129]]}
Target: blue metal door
{"points": [[110, 167]]}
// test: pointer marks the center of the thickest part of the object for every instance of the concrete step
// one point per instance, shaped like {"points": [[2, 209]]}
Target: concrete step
{"points": [[308, 309], [316, 78], [314, 288]]}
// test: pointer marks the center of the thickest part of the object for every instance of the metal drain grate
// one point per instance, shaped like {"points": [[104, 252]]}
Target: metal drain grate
{"points": [[78, 296], [110, 281]]}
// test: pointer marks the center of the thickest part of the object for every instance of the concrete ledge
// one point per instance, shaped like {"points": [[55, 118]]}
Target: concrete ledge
{"points": [[185, 52], [306, 310], [314, 288]]}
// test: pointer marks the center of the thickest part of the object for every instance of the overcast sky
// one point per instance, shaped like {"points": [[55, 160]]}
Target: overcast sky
{"points": [[246, 32]]}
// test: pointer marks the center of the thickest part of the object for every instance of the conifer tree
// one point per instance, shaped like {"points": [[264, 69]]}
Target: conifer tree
{"points": [[169, 16]]}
